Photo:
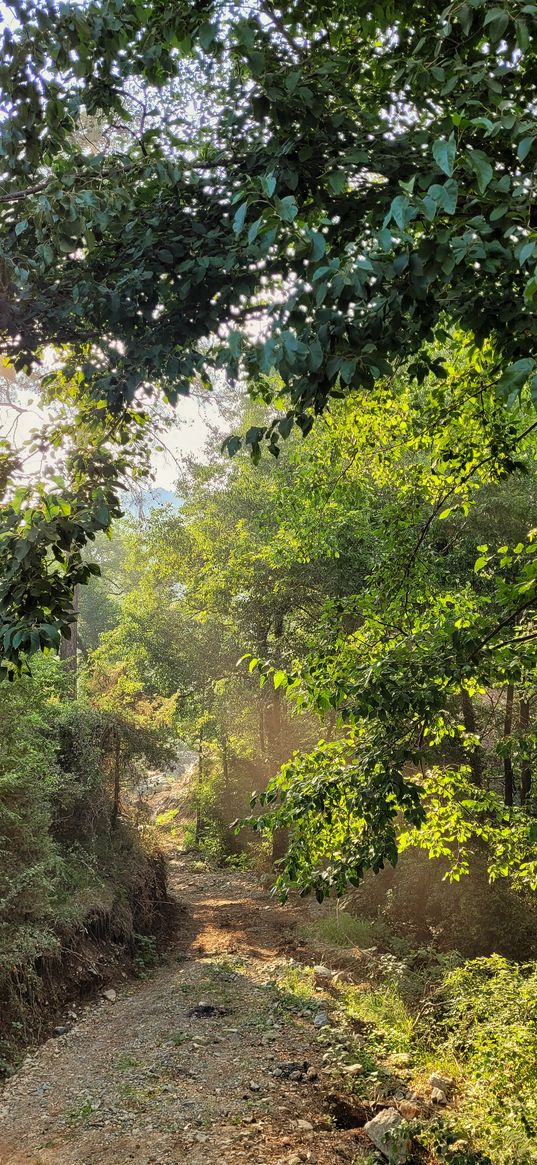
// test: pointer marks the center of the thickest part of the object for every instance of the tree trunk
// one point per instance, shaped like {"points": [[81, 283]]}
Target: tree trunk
{"points": [[262, 733], [68, 647], [525, 773], [117, 778], [225, 762], [198, 792], [331, 723], [262, 651], [280, 842], [508, 781], [476, 756], [274, 726]]}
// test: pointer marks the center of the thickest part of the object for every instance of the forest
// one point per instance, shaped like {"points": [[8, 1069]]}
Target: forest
{"points": [[275, 726]]}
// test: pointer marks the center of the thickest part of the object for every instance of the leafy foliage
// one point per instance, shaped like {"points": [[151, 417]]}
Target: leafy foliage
{"points": [[62, 853], [371, 204], [354, 181], [490, 1023]]}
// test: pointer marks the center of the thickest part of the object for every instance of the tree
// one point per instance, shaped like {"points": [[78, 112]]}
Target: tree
{"points": [[430, 629], [358, 179]]}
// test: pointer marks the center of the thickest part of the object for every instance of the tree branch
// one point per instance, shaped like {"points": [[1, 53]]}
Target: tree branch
{"points": [[17, 195]]}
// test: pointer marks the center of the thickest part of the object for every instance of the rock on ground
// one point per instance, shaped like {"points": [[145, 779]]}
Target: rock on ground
{"points": [[383, 1132]]}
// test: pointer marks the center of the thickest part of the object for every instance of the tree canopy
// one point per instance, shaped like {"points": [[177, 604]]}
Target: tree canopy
{"points": [[345, 576], [299, 197]]}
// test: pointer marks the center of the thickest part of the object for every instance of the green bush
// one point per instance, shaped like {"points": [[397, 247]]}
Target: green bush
{"points": [[79, 801], [68, 868], [489, 1026], [29, 858]]}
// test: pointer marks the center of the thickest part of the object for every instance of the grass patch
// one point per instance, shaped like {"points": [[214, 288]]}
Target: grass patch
{"points": [[166, 818], [82, 1112], [385, 1009], [177, 1038], [126, 1062], [296, 984], [343, 930]]}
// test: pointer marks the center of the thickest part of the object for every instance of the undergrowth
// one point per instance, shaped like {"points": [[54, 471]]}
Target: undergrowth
{"points": [[422, 1010], [74, 874]]}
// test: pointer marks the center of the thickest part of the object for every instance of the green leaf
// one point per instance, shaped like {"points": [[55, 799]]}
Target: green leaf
{"points": [[465, 17], [318, 248], [285, 426], [347, 370], [530, 291], [515, 377], [522, 35], [482, 169], [49, 632], [240, 218], [269, 185], [293, 79], [444, 155], [208, 33], [524, 148], [496, 22], [232, 445], [525, 252], [254, 229], [399, 209], [287, 208], [337, 181], [450, 196]]}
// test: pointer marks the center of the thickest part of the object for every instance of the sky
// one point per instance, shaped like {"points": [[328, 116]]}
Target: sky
{"points": [[186, 437]]}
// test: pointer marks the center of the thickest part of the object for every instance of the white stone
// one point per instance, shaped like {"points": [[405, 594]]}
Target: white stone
{"points": [[110, 995], [381, 1132], [436, 1080]]}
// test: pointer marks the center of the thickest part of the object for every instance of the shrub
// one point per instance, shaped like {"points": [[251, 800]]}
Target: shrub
{"points": [[70, 869], [29, 858], [490, 1026]]}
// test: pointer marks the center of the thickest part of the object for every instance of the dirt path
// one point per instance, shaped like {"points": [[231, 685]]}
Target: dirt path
{"points": [[206, 1061]]}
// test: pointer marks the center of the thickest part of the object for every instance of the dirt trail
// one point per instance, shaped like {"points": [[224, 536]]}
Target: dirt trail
{"points": [[155, 1078]]}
